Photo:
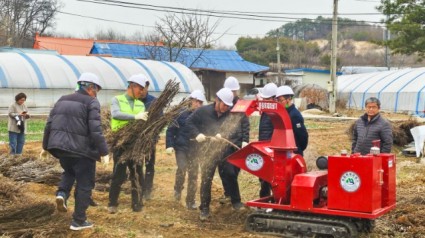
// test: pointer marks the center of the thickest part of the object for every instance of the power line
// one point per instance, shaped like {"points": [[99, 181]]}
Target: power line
{"points": [[218, 14]]}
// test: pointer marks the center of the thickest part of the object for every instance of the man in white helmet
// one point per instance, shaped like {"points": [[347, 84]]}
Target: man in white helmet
{"points": [[265, 130], [284, 96], [125, 108], [73, 134], [178, 142], [228, 172], [211, 121]]}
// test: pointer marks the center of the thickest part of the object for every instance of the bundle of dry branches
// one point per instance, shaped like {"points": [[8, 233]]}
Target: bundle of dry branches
{"points": [[138, 139]]}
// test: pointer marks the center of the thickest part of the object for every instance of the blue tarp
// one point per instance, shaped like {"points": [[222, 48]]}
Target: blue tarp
{"points": [[217, 60]]}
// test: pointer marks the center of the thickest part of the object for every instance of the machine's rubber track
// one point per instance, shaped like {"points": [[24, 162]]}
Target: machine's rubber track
{"points": [[292, 224]]}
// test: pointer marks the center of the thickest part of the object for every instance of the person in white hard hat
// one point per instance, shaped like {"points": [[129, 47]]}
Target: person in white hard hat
{"points": [[228, 172], [265, 129], [211, 122], [73, 134], [178, 142], [284, 96], [125, 108]]}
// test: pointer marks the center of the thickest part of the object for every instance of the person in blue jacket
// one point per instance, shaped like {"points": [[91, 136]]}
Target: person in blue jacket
{"points": [[148, 100], [284, 96], [178, 142]]}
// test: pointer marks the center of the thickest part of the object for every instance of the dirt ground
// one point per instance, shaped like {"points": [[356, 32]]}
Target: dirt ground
{"points": [[163, 217]]}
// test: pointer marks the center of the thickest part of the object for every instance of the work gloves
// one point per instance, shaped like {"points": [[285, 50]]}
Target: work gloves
{"points": [[44, 155], [200, 138], [244, 144], [141, 116], [104, 160], [169, 150]]}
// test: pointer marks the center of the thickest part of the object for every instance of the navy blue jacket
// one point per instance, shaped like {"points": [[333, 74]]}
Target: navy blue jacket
{"points": [[300, 131], [298, 127], [74, 129], [148, 100], [177, 136]]}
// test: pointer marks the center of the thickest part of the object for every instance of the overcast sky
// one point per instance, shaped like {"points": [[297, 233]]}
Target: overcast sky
{"points": [[81, 26]]}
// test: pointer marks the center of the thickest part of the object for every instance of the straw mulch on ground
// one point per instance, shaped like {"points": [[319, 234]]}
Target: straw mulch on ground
{"points": [[23, 215]]}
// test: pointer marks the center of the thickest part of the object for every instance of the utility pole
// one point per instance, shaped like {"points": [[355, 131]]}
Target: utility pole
{"points": [[387, 52], [279, 79], [333, 83]]}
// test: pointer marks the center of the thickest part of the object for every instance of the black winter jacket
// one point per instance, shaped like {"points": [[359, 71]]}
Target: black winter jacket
{"points": [[245, 125], [265, 130], [205, 120], [73, 128], [365, 132], [177, 136]]}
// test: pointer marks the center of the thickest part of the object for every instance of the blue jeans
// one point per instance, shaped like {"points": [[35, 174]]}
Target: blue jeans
{"points": [[16, 142]]}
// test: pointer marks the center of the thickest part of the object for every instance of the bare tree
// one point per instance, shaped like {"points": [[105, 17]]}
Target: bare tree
{"points": [[182, 31], [21, 19]]}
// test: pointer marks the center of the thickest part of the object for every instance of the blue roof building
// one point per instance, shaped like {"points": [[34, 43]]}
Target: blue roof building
{"points": [[196, 59], [211, 66]]}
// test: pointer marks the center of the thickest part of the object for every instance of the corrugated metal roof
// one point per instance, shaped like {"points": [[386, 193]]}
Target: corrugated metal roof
{"points": [[217, 60], [73, 46]]}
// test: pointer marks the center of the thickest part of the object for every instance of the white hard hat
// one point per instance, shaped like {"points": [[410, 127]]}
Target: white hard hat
{"points": [[89, 78], [284, 90], [198, 95], [140, 79], [232, 83], [268, 91], [225, 95]]}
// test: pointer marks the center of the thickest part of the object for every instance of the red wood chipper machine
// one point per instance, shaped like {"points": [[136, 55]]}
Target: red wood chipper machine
{"points": [[342, 199]]}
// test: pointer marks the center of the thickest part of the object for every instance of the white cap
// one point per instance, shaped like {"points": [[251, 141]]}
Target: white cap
{"points": [[232, 83], [89, 78], [225, 95], [284, 90], [268, 91], [140, 79], [198, 95]]}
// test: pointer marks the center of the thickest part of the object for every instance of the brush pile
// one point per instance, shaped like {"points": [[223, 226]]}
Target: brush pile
{"points": [[138, 138], [46, 172], [23, 215]]}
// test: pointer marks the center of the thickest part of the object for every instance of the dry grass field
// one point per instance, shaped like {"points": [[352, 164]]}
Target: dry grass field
{"points": [[163, 217]]}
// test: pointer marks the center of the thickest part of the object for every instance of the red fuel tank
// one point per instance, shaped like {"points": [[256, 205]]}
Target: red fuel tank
{"points": [[355, 183]]}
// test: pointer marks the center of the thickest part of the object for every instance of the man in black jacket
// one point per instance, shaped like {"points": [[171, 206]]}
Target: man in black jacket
{"points": [[371, 126], [178, 141], [73, 133], [209, 121], [265, 129], [227, 171]]}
